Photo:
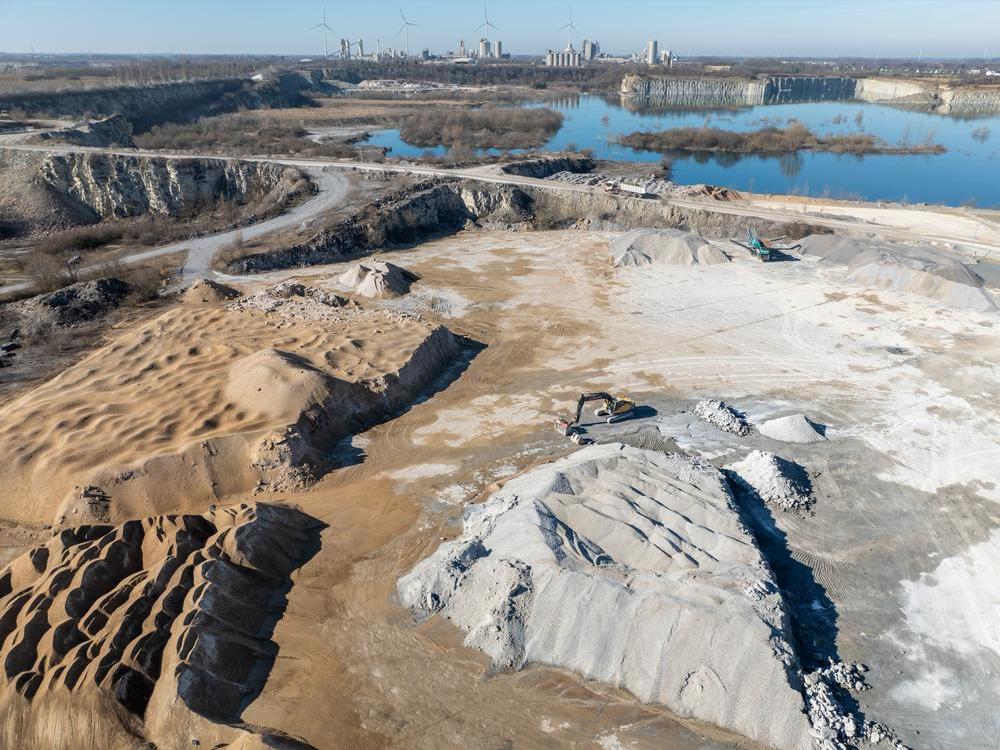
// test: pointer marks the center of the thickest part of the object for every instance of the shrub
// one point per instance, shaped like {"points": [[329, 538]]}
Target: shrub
{"points": [[489, 127]]}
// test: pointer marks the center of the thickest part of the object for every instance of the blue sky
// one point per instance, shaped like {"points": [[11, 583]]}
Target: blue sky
{"points": [[952, 28]]}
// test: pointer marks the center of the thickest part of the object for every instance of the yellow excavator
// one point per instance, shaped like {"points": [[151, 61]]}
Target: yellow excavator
{"points": [[613, 409]]}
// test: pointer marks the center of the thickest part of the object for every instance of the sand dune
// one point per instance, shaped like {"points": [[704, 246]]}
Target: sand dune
{"points": [[166, 619], [205, 402]]}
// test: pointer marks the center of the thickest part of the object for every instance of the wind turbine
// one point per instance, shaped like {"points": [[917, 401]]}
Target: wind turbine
{"points": [[405, 29], [326, 33], [570, 28], [486, 25]]}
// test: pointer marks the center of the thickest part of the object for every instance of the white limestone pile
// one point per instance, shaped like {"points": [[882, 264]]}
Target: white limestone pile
{"points": [[795, 428], [672, 247], [923, 270], [721, 415], [377, 279], [777, 481], [631, 567], [835, 726]]}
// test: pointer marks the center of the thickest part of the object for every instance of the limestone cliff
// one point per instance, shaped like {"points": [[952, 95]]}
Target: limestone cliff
{"points": [[667, 91], [149, 105], [117, 186]]}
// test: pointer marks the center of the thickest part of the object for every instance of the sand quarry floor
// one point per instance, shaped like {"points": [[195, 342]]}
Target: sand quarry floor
{"points": [[900, 559]]}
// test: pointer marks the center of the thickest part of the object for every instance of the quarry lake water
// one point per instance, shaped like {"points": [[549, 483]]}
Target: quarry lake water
{"points": [[968, 173]]}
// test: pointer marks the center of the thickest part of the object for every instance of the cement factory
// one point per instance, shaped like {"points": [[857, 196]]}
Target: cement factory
{"points": [[489, 50]]}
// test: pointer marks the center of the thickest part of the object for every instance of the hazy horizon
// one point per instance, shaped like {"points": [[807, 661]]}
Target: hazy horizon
{"points": [[853, 28]]}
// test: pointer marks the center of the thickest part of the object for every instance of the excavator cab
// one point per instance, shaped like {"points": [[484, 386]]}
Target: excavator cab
{"points": [[757, 246]]}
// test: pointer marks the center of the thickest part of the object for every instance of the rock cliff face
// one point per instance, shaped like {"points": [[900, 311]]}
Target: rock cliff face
{"points": [[741, 92], [118, 186], [108, 131], [970, 101], [881, 90], [785, 89], [146, 106], [549, 166], [430, 208], [730, 92], [707, 92], [408, 216]]}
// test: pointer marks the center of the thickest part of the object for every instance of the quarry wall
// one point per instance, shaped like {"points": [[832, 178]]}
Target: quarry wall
{"points": [[117, 186], [941, 98], [430, 209], [150, 105]]}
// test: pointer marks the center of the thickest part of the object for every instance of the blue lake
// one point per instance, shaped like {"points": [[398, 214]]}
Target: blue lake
{"points": [[969, 172]]}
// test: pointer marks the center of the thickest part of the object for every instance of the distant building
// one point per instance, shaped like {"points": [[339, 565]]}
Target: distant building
{"points": [[568, 58], [652, 54], [485, 49], [591, 50], [498, 48]]}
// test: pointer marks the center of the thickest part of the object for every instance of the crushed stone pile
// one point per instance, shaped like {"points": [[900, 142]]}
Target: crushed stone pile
{"points": [[74, 304], [795, 428], [651, 183], [378, 279], [720, 414], [208, 292], [921, 270], [836, 727], [298, 301], [664, 246], [777, 481], [632, 567], [591, 179]]}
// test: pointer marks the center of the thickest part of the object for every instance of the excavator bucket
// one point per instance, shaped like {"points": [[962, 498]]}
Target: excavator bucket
{"points": [[562, 427]]}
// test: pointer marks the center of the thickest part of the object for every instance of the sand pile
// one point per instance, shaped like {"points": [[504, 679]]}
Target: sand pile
{"points": [[721, 415], [206, 402], [777, 481], [206, 291], [378, 279], [162, 618], [631, 567], [77, 303], [923, 270], [795, 428], [664, 246]]}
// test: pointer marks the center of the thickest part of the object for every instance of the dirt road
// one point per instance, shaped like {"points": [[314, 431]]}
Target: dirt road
{"points": [[942, 225]]}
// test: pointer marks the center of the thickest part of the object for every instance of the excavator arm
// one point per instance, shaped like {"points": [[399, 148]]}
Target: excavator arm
{"points": [[607, 398], [615, 409]]}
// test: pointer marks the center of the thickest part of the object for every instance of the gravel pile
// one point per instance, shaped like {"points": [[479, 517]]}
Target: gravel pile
{"points": [[777, 481], [795, 428], [722, 416]]}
